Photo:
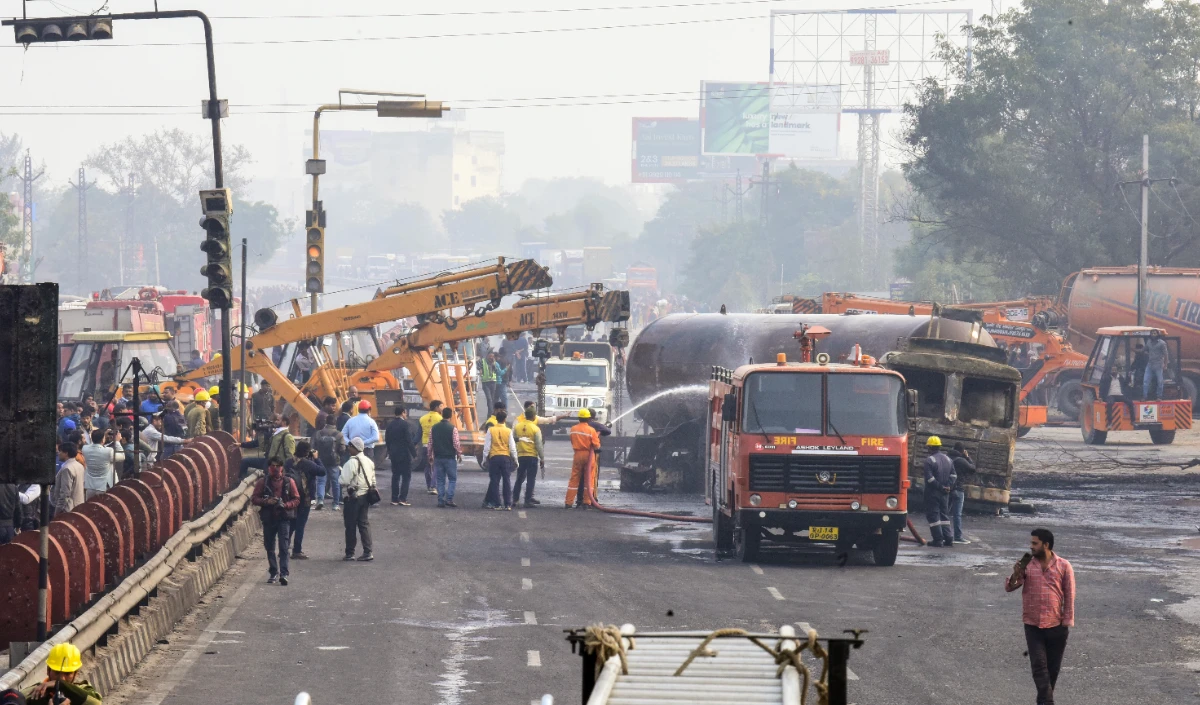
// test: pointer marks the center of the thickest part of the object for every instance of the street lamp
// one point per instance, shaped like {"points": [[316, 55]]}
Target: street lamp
{"points": [[411, 105]]}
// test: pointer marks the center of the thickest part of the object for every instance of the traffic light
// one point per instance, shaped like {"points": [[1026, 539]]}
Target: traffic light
{"points": [[314, 268], [62, 29], [217, 206]]}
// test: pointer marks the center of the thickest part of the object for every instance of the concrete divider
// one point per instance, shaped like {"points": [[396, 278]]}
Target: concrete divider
{"points": [[96, 545]]}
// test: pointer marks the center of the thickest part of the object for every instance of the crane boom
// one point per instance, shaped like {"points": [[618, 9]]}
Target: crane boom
{"points": [[432, 297]]}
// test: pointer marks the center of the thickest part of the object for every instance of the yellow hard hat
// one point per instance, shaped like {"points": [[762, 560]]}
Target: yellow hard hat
{"points": [[585, 414], [64, 658], [933, 442], [214, 390], [201, 395]]}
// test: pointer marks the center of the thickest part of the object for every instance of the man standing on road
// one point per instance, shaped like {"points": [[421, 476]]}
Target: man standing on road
{"points": [[277, 497], [330, 444], [68, 483], [262, 402], [530, 454], [364, 427], [196, 415], [585, 442], [939, 482], [400, 448], [1157, 358], [488, 377], [358, 475], [500, 448], [445, 451], [1047, 584], [424, 459], [303, 469], [963, 464]]}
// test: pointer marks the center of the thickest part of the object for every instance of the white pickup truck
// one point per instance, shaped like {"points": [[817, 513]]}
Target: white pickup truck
{"points": [[574, 384]]}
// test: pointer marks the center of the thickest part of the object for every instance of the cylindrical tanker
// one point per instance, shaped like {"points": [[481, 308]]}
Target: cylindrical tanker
{"points": [[677, 352]]}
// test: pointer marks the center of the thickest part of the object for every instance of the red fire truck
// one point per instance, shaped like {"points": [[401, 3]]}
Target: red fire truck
{"points": [[808, 453]]}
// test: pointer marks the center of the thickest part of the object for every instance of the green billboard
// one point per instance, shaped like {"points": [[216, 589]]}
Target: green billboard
{"points": [[735, 118]]}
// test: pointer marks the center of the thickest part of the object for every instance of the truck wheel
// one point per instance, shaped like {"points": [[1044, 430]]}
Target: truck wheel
{"points": [[1070, 397], [1024, 431], [748, 541], [1188, 387], [722, 531], [884, 551], [1091, 436], [1162, 438]]}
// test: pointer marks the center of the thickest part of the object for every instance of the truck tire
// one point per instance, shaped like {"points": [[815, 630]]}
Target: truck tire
{"points": [[748, 540], [1069, 399], [1188, 386], [1091, 436], [1162, 438], [722, 531], [884, 551], [1023, 431]]}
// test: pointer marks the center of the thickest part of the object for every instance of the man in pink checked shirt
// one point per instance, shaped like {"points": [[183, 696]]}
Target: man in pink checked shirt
{"points": [[1047, 584]]}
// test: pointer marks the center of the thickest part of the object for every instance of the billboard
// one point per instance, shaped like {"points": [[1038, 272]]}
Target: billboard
{"points": [[667, 150], [794, 121], [735, 118]]}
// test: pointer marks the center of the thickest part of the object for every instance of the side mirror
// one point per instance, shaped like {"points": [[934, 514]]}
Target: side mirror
{"points": [[729, 408], [912, 402]]}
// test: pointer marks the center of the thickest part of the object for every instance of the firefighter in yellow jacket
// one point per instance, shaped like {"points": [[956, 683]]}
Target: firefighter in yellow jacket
{"points": [[500, 453], [585, 442]]}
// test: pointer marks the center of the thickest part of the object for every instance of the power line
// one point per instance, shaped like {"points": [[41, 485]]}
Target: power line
{"points": [[516, 11]]}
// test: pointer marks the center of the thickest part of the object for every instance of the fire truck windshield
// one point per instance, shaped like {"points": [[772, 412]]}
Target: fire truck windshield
{"points": [[866, 404]]}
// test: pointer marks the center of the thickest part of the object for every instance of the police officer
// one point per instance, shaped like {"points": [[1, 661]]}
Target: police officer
{"points": [[939, 482]]}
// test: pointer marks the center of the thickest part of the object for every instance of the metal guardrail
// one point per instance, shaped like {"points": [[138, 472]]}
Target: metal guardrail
{"points": [[87, 629]]}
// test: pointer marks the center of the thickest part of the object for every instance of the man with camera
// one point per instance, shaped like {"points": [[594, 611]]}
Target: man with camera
{"points": [[358, 484], [277, 497]]}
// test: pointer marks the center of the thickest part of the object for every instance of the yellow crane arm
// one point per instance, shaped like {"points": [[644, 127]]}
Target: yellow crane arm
{"points": [[586, 308], [260, 364], [424, 297]]}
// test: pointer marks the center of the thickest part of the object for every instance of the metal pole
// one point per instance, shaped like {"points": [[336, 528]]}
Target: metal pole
{"points": [[1142, 253], [43, 561], [136, 365], [839, 655], [316, 214], [242, 402]]}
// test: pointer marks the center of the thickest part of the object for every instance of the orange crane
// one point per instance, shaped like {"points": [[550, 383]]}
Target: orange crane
{"points": [[476, 291], [1049, 379]]}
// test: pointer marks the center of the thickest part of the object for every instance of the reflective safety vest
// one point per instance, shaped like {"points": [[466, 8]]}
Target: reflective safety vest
{"points": [[501, 435], [584, 437], [488, 373], [527, 432]]}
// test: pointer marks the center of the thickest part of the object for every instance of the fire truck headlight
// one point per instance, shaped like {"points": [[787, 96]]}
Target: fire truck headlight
{"points": [[892, 502], [755, 500], [792, 504], [854, 505]]}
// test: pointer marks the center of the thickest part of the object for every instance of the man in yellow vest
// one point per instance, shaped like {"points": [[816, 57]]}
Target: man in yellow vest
{"points": [[500, 450], [424, 460], [530, 454]]}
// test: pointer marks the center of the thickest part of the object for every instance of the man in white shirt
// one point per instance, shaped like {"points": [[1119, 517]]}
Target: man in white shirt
{"points": [[364, 427], [154, 437], [357, 476], [99, 460]]}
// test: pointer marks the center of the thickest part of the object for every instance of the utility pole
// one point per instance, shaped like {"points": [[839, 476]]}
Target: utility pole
{"points": [[1143, 245], [739, 193], [27, 179], [128, 234], [81, 252]]}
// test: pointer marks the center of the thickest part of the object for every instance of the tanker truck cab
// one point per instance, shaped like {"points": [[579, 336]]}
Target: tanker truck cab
{"points": [[578, 382], [808, 453], [1113, 393]]}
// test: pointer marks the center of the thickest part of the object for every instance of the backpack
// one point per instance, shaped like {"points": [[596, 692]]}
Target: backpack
{"points": [[326, 444]]}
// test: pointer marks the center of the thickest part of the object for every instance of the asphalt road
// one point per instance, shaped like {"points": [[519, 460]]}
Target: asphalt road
{"points": [[469, 606]]}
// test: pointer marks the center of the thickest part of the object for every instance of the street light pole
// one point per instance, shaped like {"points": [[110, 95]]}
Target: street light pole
{"points": [[384, 108]]}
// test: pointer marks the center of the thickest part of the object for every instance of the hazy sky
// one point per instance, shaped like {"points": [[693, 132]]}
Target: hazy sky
{"points": [[273, 79]]}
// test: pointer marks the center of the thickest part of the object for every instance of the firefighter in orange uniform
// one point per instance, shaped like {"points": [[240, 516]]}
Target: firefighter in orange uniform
{"points": [[585, 441]]}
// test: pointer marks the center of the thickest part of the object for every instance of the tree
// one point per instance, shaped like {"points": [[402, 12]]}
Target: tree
{"points": [[1015, 166], [484, 225], [175, 163]]}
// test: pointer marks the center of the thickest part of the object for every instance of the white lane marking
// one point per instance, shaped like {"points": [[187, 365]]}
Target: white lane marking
{"points": [[775, 593], [237, 641], [804, 627], [524, 537], [524, 562], [526, 584], [533, 659], [224, 631], [523, 515], [756, 569], [332, 648], [851, 675], [164, 687], [530, 618], [987, 575]]}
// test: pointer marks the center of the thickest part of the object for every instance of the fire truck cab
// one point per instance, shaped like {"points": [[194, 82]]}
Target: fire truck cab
{"points": [[808, 453]]}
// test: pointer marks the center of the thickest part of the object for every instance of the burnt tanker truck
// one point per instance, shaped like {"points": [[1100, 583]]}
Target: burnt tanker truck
{"points": [[964, 390]]}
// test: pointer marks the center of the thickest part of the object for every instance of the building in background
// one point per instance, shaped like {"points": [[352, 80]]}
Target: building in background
{"points": [[440, 168]]}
